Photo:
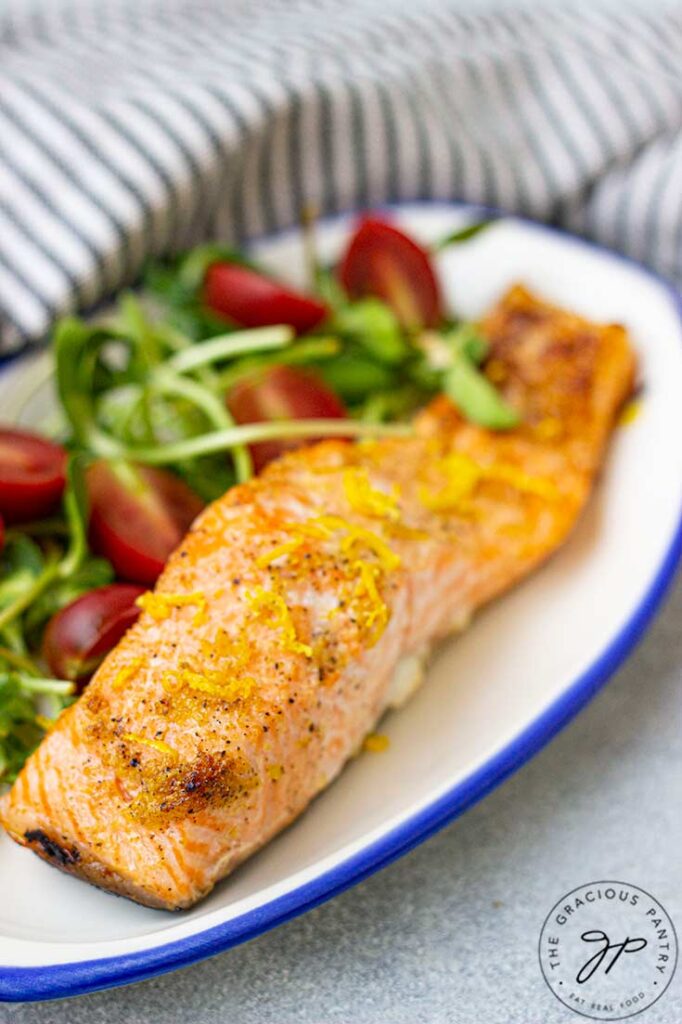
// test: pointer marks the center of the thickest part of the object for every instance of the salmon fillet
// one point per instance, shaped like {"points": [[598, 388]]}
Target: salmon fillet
{"points": [[297, 603]]}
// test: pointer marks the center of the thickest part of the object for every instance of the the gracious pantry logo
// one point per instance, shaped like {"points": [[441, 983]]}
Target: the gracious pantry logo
{"points": [[608, 950]]}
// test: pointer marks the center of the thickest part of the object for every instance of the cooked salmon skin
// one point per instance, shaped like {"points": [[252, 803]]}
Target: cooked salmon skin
{"points": [[281, 628]]}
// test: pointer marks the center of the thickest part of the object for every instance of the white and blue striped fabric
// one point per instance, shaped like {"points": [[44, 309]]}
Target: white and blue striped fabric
{"points": [[137, 127]]}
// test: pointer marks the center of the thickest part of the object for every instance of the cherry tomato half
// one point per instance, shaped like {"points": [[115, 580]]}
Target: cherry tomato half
{"points": [[79, 636], [138, 516], [282, 393], [253, 300], [32, 475], [385, 262]]}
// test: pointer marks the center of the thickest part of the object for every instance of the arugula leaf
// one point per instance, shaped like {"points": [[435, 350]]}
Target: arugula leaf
{"points": [[35, 578], [36, 582], [193, 268], [329, 288], [307, 351], [133, 323], [19, 732], [22, 727], [90, 574], [384, 406], [476, 396], [22, 557], [463, 234], [26, 571], [353, 375], [465, 340], [76, 348], [76, 513], [209, 477], [374, 326], [176, 285]]}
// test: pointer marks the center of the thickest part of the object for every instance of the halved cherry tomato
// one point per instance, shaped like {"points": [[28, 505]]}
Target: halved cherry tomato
{"points": [[254, 300], [383, 261], [138, 516], [282, 393], [32, 475], [79, 636]]}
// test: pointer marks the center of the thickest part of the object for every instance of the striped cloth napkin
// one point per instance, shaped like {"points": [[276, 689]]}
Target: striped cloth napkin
{"points": [[137, 127]]}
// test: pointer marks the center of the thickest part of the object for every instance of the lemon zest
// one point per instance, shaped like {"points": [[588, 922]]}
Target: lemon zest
{"points": [[310, 528], [271, 609], [368, 500], [524, 482], [548, 429], [360, 536], [230, 690], [630, 412], [161, 605], [275, 771], [362, 592], [376, 743], [388, 559], [404, 532], [158, 745], [286, 548], [371, 609], [126, 673], [223, 645], [462, 475]]}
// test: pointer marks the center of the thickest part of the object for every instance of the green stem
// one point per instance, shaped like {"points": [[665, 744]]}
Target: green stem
{"points": [[197, 394], [135, 396], [462, 234], [56, 686], [19, 661], [251, 433], [21, 603], [40, 528], [99, 443], [309, 215], [214, 410], [42, 371], [301, 352], [226, 346]]}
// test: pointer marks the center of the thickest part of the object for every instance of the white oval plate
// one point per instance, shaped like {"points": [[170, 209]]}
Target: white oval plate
{"points": [[492, 697]]}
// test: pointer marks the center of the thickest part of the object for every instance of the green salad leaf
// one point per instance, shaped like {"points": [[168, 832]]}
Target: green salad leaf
{"points": [[477, 398], [76, 515], [463, 234], [373, 325]]}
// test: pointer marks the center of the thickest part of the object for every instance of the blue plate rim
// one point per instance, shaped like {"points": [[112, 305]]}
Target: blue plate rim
{"points": [[56, 981]]}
